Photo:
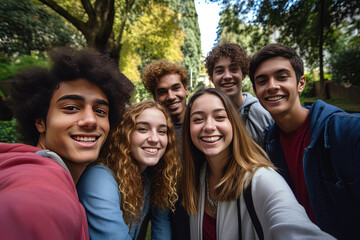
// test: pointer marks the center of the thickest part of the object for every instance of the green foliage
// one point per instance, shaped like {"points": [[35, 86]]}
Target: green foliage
{"points": [[26, 27], [10, 66], [154, 35], [140, 93], [246, 85], [309, 90], [235, 30], [8, 133], [345, 66]]}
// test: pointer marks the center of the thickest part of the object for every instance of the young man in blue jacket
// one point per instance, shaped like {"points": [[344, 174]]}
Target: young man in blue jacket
{"points": [[316, 149]]}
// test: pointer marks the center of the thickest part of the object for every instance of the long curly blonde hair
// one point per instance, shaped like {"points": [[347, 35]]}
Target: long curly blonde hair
{"points": [[164, 175]]}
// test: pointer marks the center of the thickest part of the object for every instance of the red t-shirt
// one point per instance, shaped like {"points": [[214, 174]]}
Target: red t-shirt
{"points": [[209, 227], [293, 145]]}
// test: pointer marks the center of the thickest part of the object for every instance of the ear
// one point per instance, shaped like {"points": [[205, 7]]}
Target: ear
{"points": [[40, 125], [186, 91], [254, 89], [301, 84]]}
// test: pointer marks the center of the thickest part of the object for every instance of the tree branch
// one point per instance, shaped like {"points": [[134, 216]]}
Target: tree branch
{"points": [[61, 11]]}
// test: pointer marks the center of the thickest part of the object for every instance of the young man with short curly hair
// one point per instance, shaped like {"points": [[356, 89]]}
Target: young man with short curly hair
{"points": [[65, 113], [168, 83], [227, 65]]}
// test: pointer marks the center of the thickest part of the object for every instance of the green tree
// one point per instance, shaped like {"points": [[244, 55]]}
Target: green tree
{"points": [[27, 27], [102, 22], [236, 30], [308, 25], [192, 42], [155, 35]]}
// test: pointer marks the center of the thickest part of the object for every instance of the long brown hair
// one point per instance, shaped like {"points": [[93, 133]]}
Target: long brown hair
{"points": [[119, 159], [246, 156]]}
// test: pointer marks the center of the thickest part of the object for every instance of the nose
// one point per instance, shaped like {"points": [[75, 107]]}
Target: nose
{"points": [[88, 119], [171, 95], [153, 137], [227, 74], [209, 125], [272, 85]]}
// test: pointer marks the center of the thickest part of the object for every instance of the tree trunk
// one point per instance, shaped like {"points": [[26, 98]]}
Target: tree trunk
{"points": [[323, 92]]}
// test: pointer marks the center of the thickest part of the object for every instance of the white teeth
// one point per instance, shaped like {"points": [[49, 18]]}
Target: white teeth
{"points": [[85, 139], [275, 98], [152, 150], [228, 84], [173, 105], [210, 139]]}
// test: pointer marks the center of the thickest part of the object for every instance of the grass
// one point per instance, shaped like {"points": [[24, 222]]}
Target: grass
{"points": [[348, 106]]}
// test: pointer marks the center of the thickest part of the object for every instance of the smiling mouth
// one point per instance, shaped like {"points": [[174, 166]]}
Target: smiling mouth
{"points": [[211, 139], [274, 98], [227, 85], [173, 105], [150, 150], [84, 139]]}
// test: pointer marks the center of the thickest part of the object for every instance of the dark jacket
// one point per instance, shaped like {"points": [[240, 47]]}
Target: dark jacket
{"points": [[331, 168]]}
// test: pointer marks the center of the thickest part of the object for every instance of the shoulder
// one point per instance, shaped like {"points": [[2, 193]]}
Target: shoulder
{"points": [[266, 181], [97, 179]]}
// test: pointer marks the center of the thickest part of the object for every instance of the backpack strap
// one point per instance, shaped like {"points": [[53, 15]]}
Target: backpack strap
{"points": [[239, 218], [250, 207], [245, 114]]}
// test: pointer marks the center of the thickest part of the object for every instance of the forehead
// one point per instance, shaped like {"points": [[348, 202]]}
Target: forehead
{"points": [[207, 103], [167, 81], [223, 62], [273, 65], [81, 87], [152, 116]]}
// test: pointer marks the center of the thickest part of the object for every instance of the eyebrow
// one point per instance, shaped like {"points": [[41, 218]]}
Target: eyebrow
{"points": [[147, 123], [276, 72], [162, 89], [81, 98], [216, 110]]}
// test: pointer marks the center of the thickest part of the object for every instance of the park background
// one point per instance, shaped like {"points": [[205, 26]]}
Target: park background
{"points": [[134, 32]]}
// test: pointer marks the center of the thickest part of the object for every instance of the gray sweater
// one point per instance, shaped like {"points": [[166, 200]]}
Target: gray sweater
{"points": [[256, 118]]}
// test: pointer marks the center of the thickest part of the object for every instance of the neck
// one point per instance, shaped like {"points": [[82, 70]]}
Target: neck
{"points": [[288, 123], [216, 167], [75, 169], [238, 100], [178, 118]]}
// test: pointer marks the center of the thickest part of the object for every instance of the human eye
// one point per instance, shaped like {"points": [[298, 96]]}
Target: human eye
{"points": [[175, 88], [261, 81], [142, 129], [70, 108], [101, 112], [220, 117], [283, 77], [234, 69], [219, 71], [197, 119], [162, 131]]}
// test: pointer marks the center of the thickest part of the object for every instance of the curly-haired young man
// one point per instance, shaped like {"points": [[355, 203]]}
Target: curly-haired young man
{"points": [[168, 83], [65, 113], [315, 148], [227, 65]]}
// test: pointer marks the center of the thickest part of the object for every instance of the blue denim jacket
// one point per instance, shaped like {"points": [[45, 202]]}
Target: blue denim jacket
{"points": [[98, 192], [331, 168]]}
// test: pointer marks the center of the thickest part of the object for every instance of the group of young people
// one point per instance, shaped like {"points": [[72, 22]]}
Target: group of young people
{"points": [[224, 165]]}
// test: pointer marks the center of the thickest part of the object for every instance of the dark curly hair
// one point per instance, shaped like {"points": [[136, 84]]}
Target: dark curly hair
{"points": [[237, 55], [33, 88], [155, 70]]}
